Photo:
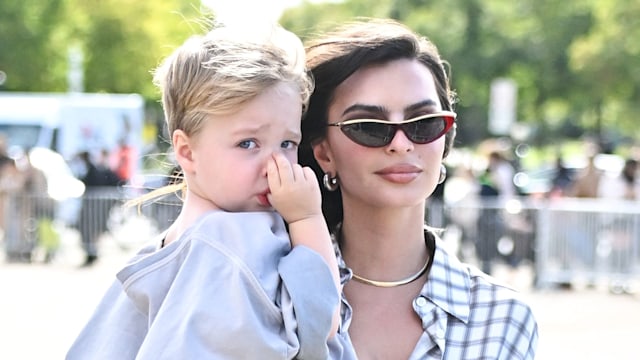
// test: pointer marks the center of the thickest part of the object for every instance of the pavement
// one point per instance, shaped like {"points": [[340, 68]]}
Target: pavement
{"points": [[44, 306]]}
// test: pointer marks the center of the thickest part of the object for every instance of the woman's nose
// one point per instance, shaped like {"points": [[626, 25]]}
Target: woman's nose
{"points": [[400, 143]]}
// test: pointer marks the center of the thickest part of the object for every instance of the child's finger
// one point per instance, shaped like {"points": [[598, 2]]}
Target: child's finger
{"points": [[284, 168], [273, 175], [298, 173], [309, 175]]}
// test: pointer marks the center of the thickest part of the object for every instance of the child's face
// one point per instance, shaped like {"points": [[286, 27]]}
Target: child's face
{"points": [[231, 152]]}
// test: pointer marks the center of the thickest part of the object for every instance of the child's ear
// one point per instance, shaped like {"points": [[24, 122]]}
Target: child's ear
{"points": [[324, 157], [182, 149]]}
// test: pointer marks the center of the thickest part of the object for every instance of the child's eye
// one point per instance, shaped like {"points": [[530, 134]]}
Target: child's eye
{"points": [[247, 144], [288, 144]]}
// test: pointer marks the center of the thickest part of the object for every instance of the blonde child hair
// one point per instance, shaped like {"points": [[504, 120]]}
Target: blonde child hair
{"points": [[220, 71]]}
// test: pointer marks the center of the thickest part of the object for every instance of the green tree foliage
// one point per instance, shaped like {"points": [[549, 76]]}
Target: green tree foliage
{"points": [[575, 62], [27, 52], [607, 62], [122, 41]]}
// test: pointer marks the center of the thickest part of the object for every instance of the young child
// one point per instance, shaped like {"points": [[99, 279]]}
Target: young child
{"points": [[225, 281]]}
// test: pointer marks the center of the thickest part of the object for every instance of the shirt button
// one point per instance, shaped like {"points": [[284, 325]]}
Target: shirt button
{"points": [[421, 301]]}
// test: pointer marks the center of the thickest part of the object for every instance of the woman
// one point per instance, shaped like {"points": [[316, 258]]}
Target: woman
{"points": [[379, 125]]}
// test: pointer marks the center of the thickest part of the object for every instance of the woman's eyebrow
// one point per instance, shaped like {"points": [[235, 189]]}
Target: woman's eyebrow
{"points": [[420, 105], [378, 109], [367, 108]]}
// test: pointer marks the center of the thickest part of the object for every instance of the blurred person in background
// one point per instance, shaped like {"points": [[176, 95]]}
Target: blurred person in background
{"points": [[621, 229], [26, 207], [562, 179], [496, 186], [124, 156], [13, 213], [499, 176], [582, 240], [98, 199], [38, 209], [7, 168], [462, 200], [623, 186], [587, 181]]}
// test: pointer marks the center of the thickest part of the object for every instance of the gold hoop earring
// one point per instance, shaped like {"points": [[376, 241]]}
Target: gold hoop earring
{"points": [[330, 183], [443, 174]]}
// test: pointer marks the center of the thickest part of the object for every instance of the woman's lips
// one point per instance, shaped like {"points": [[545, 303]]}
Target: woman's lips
{"points": [[399, 174]]}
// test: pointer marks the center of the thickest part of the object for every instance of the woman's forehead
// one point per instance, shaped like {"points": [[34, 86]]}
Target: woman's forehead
{"points": [[394, 85]]}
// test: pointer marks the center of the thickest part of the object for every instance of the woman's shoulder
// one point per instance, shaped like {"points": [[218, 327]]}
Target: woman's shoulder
{"points": [[488, 290], [483, 293]]}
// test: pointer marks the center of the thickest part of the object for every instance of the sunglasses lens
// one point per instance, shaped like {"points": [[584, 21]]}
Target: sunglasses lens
{"points": [[426, 130], [377, 134], [369, 133]]}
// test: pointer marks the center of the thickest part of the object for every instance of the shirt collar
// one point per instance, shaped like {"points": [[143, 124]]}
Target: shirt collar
{"points": [[448, 284]]}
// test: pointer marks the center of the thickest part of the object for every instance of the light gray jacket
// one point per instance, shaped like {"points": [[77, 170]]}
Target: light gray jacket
{"points": [[230, 288]]}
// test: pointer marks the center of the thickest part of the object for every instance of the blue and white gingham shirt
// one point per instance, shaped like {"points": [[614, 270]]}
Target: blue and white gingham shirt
{"points": [[465, 314]]}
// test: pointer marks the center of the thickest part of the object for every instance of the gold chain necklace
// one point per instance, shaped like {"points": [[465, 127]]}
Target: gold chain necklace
{"points": [[387, 284]]}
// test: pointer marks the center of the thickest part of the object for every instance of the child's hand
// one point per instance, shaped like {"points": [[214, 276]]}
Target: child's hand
{"points": [[295, 193]]}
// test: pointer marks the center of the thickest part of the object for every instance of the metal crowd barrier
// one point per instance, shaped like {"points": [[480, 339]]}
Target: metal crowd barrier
{"points": [[32, 223], [589, 239], [565, 239]]}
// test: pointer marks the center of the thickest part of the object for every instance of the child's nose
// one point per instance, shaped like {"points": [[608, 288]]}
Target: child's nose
{"points": [[266, 160]]}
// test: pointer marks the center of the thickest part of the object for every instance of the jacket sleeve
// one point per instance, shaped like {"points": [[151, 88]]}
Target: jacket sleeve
{"points": [[309, 286], [115, 330]]}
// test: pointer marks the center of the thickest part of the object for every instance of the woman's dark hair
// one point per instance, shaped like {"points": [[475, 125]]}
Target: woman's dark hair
{"points": [[334, 57]]}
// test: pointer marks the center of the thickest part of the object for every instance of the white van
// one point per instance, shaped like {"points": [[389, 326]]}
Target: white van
{"points": [[72, 122], [66, 124]]}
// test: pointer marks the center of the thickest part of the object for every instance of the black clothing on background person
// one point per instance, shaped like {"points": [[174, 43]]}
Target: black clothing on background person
{"points": [[97, 201], [490, 224], [562, 179]]}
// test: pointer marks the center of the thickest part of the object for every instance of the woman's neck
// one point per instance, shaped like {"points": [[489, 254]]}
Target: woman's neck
{"points": [[383, 245]]}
